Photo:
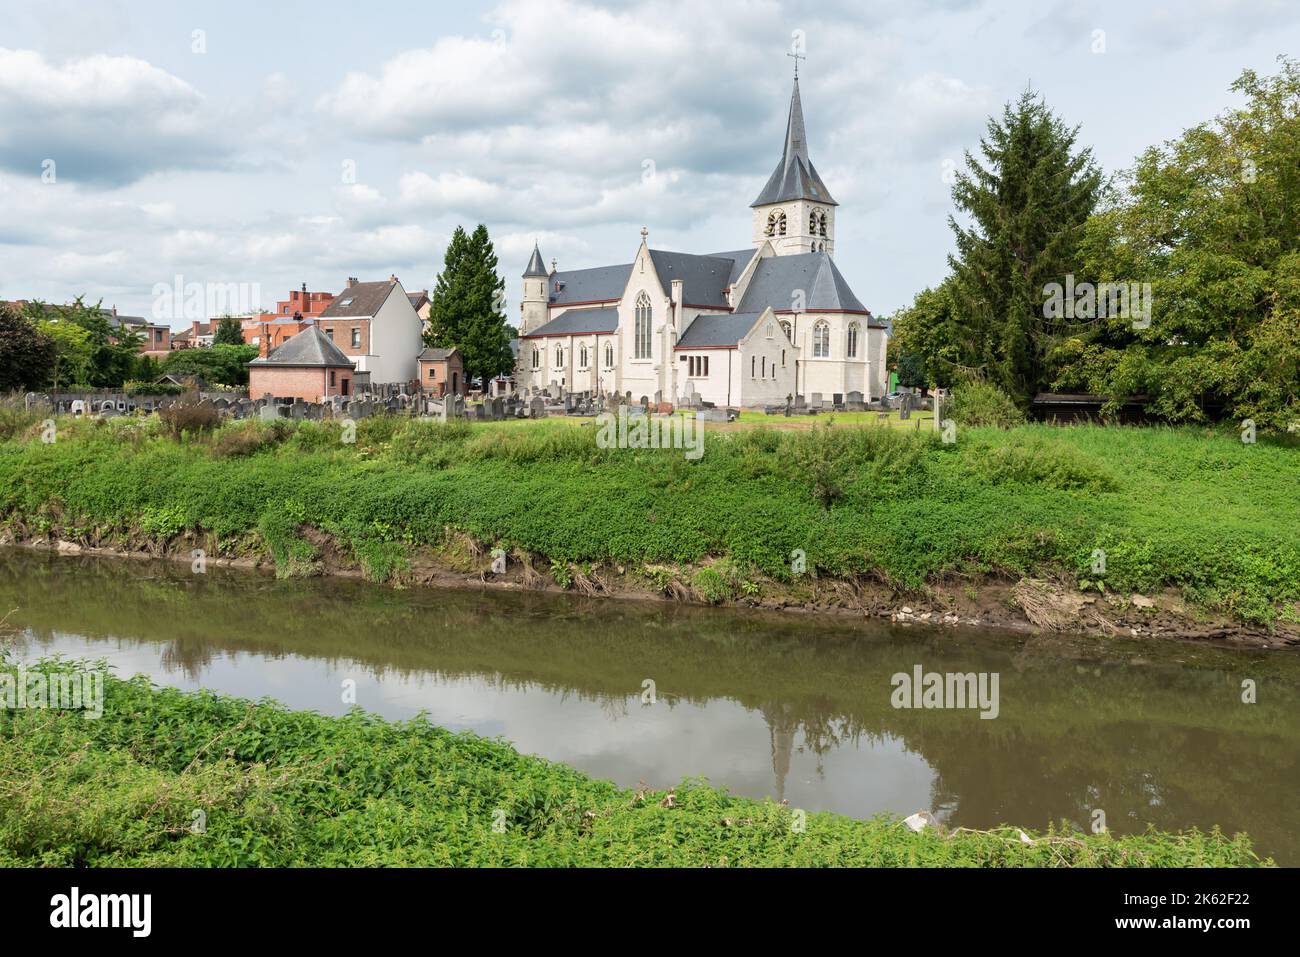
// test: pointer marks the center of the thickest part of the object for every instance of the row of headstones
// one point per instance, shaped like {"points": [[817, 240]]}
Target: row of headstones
{"points": [[816, 402]]}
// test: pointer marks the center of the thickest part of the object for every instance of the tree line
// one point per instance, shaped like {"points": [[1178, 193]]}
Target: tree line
{"points": [[1177, 280]]}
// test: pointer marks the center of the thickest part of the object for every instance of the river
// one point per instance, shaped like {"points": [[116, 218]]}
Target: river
{"points": [[794, 707]]}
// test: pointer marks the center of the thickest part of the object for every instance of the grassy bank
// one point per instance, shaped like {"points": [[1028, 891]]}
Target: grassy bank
{"points": [[1194, 510], [280, 788]]}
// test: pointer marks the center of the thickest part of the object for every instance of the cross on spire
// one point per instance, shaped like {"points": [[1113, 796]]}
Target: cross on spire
{"points": [[797, 57]]}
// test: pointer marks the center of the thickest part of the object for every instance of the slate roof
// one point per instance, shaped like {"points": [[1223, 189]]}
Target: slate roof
{"points": [[436, 355], [360, 301], [599, 284], [713, 332], [739, 259], [535, 265], [578, 322], [311, 347], [705, 277], [776, 278], [795, 177]]}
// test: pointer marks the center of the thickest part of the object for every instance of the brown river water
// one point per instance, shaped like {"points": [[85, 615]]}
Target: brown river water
{"points": [[793, 707]]}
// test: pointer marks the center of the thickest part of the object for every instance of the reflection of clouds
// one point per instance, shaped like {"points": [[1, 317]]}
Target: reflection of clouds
{"points": [[611, 737]]}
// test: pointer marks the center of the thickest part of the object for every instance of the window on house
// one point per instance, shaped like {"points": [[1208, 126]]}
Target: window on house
{"points": [[582, 358], [609, 355], [433, 373], [330, 333], [641, 349], [753, 364], [537, 358], [356, 338], [333, 374], [697, 367], [782, 358], [785, 327], [852, 350], [559, 356], [764, 367], [822, 340]]}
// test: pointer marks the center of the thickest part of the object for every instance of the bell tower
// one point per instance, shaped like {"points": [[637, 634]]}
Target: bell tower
{"points": [[795, 210]]}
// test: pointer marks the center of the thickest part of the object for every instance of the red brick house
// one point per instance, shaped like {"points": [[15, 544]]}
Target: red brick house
{"points": [[308, 366], [442, 372]]}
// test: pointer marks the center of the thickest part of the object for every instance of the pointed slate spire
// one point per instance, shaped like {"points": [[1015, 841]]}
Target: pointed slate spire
{"points": [[535, 265], [795, 176]]}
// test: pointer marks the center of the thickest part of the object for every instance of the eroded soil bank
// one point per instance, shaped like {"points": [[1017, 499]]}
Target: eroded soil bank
{"points": [[1027, 605]]}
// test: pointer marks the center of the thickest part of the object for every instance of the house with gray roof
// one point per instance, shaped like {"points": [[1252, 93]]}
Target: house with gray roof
{"points": [[308, 366], [740, 328], [376, 325]]}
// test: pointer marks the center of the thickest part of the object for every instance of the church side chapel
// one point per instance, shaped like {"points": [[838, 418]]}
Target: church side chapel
{"points": [[744, 328]]}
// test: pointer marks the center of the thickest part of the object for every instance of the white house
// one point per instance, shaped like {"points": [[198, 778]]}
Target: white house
{"points": [[376, 326], [740, 328]]}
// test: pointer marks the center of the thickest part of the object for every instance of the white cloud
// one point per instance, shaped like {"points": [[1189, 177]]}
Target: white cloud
{"points": [[101, 119]]}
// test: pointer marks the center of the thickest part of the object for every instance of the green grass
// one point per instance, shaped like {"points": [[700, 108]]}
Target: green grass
{"points": [[274, 787], [1184, 508]]}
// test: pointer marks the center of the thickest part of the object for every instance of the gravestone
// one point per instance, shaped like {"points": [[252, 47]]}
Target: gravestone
{"points": [[536, 408]]}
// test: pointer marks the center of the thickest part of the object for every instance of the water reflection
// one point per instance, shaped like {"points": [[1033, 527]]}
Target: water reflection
{"points": [[792, 707]]}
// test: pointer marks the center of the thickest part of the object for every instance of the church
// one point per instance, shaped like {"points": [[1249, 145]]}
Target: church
{"points": [[738, 329]]}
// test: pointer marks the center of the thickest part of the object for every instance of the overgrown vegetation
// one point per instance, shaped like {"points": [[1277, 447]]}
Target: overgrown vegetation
{"points": [[1197, 510], [292, 788]]}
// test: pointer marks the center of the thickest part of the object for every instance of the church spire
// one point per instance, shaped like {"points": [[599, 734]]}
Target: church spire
{"points": [[795, 176], [535, 267]]}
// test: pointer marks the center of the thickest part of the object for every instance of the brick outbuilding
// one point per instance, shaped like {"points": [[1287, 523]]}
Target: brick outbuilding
{"points": [[308, 366]]}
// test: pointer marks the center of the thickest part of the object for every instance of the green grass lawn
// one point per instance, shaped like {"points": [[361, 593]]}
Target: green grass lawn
{"points": [[1187, 508]]}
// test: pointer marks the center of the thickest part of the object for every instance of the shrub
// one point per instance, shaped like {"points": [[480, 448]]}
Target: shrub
{"points": [[15, 417], [189, 414], [245, 438], [982, 404]]}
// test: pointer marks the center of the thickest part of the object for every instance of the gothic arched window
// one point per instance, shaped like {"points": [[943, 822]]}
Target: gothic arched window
{"points": [[785, 327], [559, 356], [641, 346], [582, 358], [780, 224], [609, 355], [821, 227], [852, 350], [537, 358], [822, 340], [771, 224]]}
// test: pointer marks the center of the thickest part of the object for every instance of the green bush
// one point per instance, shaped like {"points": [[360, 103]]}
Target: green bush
{"points": [[977, 404]]}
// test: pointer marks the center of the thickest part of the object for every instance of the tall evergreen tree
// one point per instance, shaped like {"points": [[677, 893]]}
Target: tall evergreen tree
{"points": [[228, 332], [466, 306], [1028, 203]]}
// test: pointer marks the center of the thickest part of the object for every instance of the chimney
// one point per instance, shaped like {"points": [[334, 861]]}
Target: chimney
{"points": [[304, 290], [194, 331], [392, 278], [352, 281], [264, 345]]}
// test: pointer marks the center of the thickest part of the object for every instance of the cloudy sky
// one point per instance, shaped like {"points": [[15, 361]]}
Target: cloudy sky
{"points": [[276, 144]]}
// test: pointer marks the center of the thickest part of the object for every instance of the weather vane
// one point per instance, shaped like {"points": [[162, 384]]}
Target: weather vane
{"points": [[797, 57]]}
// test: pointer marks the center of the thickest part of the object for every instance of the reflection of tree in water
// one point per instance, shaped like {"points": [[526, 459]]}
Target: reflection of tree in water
{"points": [[1168, 744]]}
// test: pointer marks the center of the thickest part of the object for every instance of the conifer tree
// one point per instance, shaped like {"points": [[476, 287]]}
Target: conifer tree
{"points": [[1028, 203], [466, 306]]}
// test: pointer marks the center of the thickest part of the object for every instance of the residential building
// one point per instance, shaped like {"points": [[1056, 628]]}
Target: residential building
{"points": [[375, 325], [308, 366], [442, 372]]}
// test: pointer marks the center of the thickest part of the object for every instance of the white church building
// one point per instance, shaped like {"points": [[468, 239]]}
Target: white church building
{"points": [[743, 328]]}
